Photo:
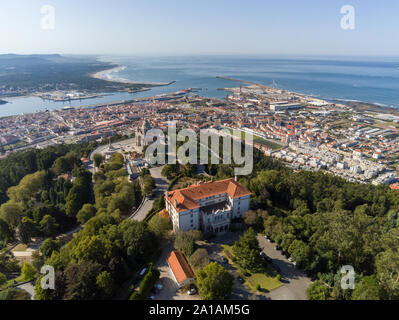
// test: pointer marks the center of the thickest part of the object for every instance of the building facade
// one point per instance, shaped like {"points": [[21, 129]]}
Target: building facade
{"points": [[209, 206]]}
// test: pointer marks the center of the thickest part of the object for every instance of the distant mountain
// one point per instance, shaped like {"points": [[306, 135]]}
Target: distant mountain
{"points": [[22, 74]]}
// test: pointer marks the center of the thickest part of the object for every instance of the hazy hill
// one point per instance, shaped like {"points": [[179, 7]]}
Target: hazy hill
{"points": [[50, 72]]}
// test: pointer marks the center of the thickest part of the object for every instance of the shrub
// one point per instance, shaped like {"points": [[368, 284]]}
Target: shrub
{"points": [[147, 284], [3, 279]]}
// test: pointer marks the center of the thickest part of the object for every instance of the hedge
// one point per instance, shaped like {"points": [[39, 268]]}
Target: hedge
{"points": [[147, 284]]}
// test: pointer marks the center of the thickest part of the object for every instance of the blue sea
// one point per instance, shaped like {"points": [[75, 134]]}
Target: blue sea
{"points": [[372, 80]]}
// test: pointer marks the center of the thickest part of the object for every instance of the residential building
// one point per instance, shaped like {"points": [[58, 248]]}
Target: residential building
{"points": [[209, 206]]}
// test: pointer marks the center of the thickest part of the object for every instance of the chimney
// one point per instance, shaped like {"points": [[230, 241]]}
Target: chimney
{"points": [[236, 179], [175, 203]]}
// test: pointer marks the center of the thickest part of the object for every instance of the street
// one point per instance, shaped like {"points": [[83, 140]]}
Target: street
{"points": [[295, 281], [161, 187]]}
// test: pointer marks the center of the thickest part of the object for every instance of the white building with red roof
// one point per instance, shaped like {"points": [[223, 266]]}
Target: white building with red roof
{"points": [[209, 206]]}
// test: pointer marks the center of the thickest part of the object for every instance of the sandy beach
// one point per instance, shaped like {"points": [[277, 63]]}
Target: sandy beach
{"points": [[111, 75]]}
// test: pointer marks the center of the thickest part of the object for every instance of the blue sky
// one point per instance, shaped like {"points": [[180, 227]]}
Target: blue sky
{"points": [[165, 27]]}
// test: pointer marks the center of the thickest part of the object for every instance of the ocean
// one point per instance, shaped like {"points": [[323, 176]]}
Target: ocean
{"points": [[372, 80]]}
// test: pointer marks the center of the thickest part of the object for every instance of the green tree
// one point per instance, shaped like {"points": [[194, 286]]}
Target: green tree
{"points": [[3, 279], [27, 187], [37, 260], [214, 282], [250, 218], [300, 252], [106, 283], [98, 159], [28, 272], [87, 212], [48, 247], [49, 226], [367, 289], [185, 241], [159, 225], [6, 233], [139, 242], [318, 291], [387, 265], [65, 164], [26, 229], [92, 248], [11, 213], [148, 185], [14, 294], [81, 281], [247, 251], [199, 259], [79, 193]]}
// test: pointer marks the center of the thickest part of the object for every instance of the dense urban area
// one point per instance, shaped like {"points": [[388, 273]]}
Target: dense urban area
{"points": [[78, 194]]}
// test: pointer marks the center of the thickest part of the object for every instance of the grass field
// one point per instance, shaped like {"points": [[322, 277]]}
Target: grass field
{"points": [[20, 247], [259, 140], [266, 280]]}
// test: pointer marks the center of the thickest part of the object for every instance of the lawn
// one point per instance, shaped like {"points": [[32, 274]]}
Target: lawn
{"points": [[259, 140], [20, 247], [266, 280]]}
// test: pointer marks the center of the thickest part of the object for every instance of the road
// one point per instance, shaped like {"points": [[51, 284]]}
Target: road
{"points": [[128, 145], [161, 187], [161, 182], [28, 287], [170, 287], [295, 281]]}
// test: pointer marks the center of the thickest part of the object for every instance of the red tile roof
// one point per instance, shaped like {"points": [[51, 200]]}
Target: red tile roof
{"points": [[187, 198], [180, 267]]}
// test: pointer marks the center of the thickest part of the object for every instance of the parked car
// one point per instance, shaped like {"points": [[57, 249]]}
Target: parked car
{"points": [[192, 291], [151, 297], [158, 287], [240, 280], [142, 272], [290, 259]]}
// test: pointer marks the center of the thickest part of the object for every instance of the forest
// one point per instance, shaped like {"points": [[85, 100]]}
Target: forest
{"points": [[324, 223], [321, 221]]}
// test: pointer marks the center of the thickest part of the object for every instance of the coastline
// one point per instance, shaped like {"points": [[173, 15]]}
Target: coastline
{"points": [[359, 106], [106, 76]]}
